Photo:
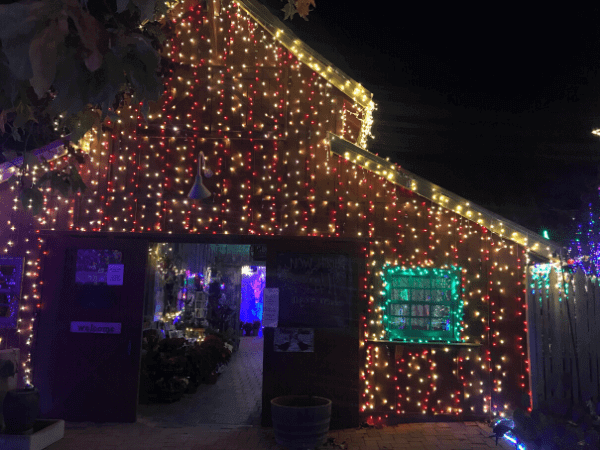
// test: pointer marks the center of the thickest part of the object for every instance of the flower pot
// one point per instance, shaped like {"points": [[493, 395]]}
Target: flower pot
{"points": [[300, 421], [21, 408]]}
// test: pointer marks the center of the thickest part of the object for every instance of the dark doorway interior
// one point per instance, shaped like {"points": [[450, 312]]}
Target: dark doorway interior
{"points": [[202, 349]]}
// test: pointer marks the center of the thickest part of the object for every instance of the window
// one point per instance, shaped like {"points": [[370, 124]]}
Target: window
{"points": [[422, 304]]}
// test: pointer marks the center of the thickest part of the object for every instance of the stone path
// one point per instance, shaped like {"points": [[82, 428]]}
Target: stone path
{"points": [[226, 416], [415, 436], [234, 400]]}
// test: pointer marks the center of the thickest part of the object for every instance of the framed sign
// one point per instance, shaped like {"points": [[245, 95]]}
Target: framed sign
{"points": [[11, 275], [315, 290], [93, 266], [294, 340]]}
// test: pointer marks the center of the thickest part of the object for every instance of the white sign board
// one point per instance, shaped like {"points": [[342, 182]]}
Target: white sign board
{"points": [[270, 307], [114, 275], [96, 327], [294, 340]]}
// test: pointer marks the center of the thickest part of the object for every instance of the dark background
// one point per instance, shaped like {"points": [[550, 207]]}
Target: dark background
{"points": [[491, 101]]}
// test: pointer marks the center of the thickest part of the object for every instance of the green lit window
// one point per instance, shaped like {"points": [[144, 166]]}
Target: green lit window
{"points": [[422, 304]]}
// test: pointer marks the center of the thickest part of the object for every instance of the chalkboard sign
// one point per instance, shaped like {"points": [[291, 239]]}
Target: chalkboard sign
{"points": [[315, 290]]}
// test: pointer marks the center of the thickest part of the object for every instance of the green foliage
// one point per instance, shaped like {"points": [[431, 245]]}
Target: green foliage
{"points": [[300, 7], [65, 65]]}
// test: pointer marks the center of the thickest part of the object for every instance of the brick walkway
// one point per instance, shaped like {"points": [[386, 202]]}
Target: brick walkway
{"points": [[234, 400], [420, 436], [226, 416]]}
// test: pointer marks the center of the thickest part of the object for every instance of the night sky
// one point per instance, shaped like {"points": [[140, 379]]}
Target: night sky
{"points": [[495, 104]]}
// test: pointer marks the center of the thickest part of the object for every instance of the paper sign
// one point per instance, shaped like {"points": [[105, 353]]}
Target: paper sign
{"points": [[294, 340], [96, 327], [270, 307], [114, 275]]}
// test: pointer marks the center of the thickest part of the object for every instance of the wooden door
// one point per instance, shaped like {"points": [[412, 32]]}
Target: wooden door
{"points": [[87, 353]]}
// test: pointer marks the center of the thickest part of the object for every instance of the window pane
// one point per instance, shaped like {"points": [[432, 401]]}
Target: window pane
{"points": [[440, 323], [400, 295], [402, 282], [420, 310], [422, 282], [440, 311], [439, 296], [398, 309], [397, 323], [419, 296], [423, 303], [444, 282], [419, 324]]}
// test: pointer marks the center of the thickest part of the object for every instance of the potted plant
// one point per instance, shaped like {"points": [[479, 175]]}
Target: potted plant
{"points": [[20, 407], [256, 327], [247, 328], [8, 370]]}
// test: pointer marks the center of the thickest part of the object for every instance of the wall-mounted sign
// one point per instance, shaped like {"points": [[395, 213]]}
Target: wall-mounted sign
{"points": [[11, 274], [316, 289], [270, 307], [114, 275], [96, 327], [258, 252], [92, 266], [294, 340]]}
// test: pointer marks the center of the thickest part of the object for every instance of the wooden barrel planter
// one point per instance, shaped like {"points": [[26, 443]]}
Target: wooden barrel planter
{"points": [[21, 408], [301, 421]]}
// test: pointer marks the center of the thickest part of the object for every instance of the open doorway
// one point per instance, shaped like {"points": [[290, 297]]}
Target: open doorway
{"points": [[202, 347]]}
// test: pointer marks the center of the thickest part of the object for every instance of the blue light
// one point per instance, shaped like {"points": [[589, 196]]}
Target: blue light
{"points": [[510, 438], [253, 284]]}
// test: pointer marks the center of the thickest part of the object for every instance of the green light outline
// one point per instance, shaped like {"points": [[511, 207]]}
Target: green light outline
{"points": [[457, 303]]}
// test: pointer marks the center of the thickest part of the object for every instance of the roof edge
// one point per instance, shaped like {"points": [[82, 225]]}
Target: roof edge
{"points": [[495, 223], [306, 54]]}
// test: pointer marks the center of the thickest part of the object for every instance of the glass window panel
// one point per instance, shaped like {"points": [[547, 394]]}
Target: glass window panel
{"points": [[422, 282], [440, 311], [440, 296], [444, 282], [400, 295], [397, 323], [419, 296], [397, 309], [419, 324], [419, 310], [440, 323], [401, 282], [423, 301]]}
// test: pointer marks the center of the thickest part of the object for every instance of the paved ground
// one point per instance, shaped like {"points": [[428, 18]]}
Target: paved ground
{"points": [[421, 436], [225, 416], [234, 400]]}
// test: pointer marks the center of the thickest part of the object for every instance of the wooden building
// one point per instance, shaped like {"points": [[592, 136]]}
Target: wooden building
{"points": [[416, 298]]}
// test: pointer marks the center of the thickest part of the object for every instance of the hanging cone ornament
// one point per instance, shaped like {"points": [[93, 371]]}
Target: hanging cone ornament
{"points": [[199, 191]]}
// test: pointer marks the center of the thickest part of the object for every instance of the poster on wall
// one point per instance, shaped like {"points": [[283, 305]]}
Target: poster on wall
{"points": [[294, 340], [316, 289], [93, 266], [11, 274], [270, 307]]}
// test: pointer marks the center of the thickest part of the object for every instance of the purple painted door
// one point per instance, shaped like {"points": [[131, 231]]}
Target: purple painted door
{"points": [[87, 352]]}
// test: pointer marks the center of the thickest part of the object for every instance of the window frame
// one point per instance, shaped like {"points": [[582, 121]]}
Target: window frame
{"points": [[423, 279]]}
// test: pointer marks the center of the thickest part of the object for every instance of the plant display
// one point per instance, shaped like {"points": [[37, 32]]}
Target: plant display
{"points": [[251, 328], [7, 368], [172, 367]]}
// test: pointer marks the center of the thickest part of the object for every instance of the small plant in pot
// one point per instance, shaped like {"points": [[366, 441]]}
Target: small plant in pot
{"points": [[7, 371], [21, 407]]}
